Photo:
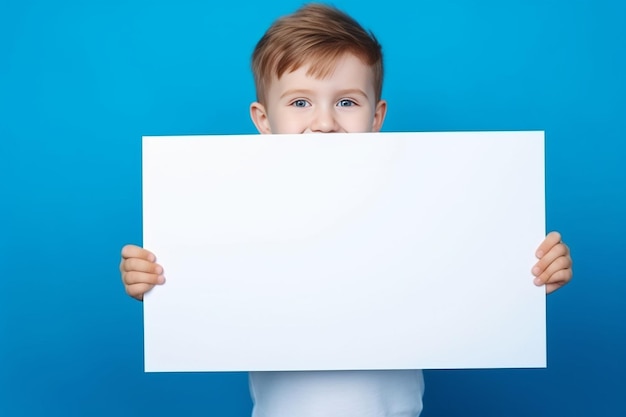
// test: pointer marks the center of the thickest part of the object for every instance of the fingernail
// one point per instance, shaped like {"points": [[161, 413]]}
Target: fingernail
{"points": [[539, 254], [536, 270], [161, 279], [538, 282]]}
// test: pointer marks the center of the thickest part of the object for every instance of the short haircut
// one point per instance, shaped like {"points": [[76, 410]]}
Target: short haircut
{"points": [[318, 35]]}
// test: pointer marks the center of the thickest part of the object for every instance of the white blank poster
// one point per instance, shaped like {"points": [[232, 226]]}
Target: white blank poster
{"points": [[344, 251]]}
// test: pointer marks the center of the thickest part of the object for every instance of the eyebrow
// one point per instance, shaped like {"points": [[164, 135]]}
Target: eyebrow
{"points": [[305, 92]]}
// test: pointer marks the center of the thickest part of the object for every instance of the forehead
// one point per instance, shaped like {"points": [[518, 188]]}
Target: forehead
{"points": [[345, 70]]}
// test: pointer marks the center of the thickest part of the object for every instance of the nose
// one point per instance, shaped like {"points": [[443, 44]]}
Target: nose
{"points": [[324, 121]]}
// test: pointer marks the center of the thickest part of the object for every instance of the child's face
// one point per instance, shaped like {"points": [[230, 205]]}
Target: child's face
{"points": [[345, 102]]}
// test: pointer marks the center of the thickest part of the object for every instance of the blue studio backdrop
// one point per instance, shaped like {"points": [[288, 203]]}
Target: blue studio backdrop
{"points": [[81, 82]]}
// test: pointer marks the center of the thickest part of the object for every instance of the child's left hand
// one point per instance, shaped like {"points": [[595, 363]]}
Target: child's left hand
{"points": [[554, 268]]}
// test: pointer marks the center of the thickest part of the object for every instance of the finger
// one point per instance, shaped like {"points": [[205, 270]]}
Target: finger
{"points": [[559, 279], [134, 251], [134, 277], [551, 239], [561, 263], [557, 251], [141, 265], [138, 290]]}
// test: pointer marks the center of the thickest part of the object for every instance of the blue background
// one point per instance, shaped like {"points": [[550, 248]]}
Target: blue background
{"points": [[81, 82]]}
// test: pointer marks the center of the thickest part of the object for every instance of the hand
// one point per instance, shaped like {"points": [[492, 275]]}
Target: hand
{"points": [[554, 268], [139, 270]]}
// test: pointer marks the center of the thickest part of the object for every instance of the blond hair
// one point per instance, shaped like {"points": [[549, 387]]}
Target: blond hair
{"points": [[317, 35]]}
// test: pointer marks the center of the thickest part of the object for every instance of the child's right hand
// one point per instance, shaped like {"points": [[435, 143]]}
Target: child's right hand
{"points": [[139, 270]]}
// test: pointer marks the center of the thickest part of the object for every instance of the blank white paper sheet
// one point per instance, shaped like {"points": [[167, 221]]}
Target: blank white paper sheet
{"points": [[344, 251]]}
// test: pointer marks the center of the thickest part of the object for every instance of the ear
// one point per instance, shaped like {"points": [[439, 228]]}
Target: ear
{"points": [[379, 116], [259, 118]]}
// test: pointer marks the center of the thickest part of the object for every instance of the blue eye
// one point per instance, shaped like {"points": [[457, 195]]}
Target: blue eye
{"points": [[346, 103], [300, 103]]}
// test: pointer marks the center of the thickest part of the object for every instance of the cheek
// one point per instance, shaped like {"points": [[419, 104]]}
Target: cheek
{"points": [[287, 124], [359, 123]]}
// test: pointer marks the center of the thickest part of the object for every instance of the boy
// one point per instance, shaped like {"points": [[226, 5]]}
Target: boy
{"points": [[318, 70]]}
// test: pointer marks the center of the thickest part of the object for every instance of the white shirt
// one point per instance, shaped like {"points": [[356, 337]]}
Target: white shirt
{"points": [[396, 393]]}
